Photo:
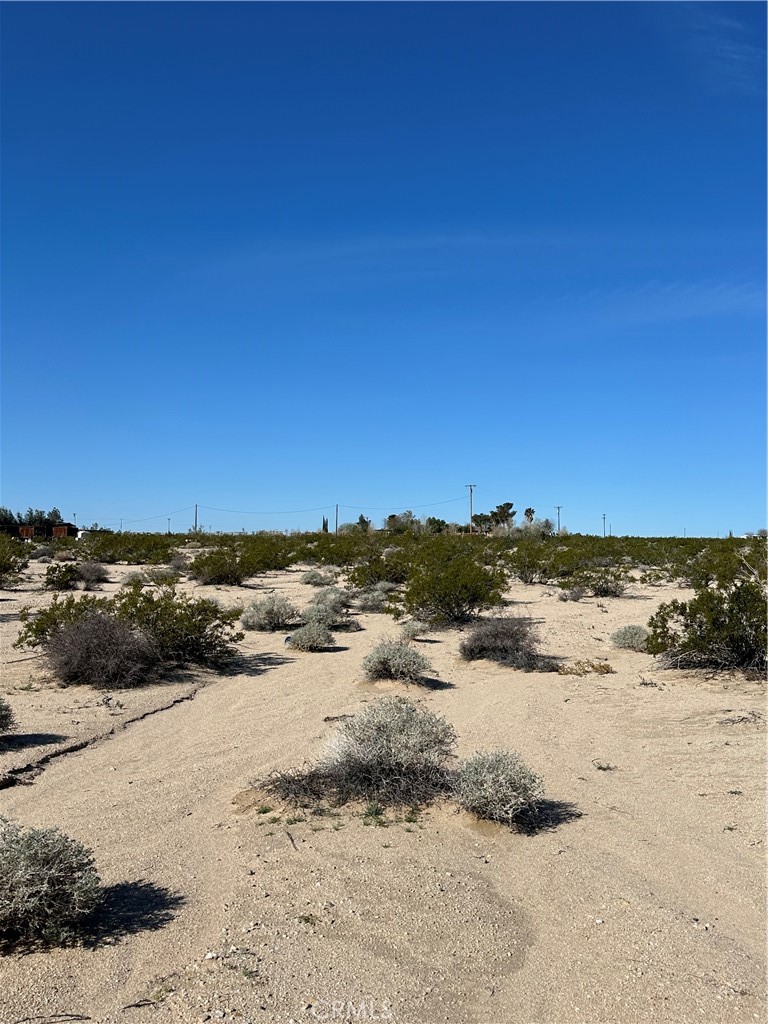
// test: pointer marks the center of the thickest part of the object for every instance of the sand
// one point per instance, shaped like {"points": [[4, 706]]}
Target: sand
{"points": [[642, 900]]}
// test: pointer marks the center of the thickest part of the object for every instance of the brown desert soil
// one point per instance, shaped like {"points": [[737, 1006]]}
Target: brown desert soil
{"points": [[640, 896]]}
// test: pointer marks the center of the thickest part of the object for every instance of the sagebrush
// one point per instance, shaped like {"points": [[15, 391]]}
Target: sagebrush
{"points": [[48, 884]]}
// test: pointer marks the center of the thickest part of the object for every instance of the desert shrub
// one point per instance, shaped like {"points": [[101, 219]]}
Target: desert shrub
{"points": [[413, 629], [391, 568], [13, 560], [42, 551], [371, 601], [7, 718], [222, 566], [48, 884], [336, 600], [102, 651], [179, 563], [631, 638], [162, 576], [61, 577], [316, 578], [181, 629], [92, 574], [452, 590], [602, 582], [497, 784], [391, 753], [314, 636], [719, 628], [64, 555], [396, 659], [270, 614], [510, 641], [134, 579]]}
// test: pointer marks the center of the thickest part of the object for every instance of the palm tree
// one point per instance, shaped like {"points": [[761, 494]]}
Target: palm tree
{"points": [[529, 514]]}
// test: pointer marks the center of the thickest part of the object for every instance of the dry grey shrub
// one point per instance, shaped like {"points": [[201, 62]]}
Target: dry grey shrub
{"points": [[413, 629], [162, 576], [64, 555], [92, 574], [134, 579], [101, 650], [630, 638], [316, 578], [313, 637], [7, 719], [336, 600], [48, 884], [372, 601], [396, 659], [391, 752], [498, 785], [329, 615], [271, 614], [509, 641]]}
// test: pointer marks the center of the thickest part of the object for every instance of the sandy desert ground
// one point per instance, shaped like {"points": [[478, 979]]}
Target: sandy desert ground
{"points": [[643, 898]]}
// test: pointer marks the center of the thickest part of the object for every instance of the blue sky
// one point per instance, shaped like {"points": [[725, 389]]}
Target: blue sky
{"points": [[270, 257]]}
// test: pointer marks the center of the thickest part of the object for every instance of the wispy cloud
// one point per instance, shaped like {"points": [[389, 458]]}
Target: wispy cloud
{"points": [[729, 49], [663, 302]]}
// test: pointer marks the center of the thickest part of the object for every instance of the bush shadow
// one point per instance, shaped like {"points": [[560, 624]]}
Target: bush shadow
{"points": [[21, 740], [547, 816], [257, 664], [129, 908], [431, 683]]}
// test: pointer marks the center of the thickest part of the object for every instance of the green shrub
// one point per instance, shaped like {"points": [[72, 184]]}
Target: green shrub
{"points": [[497, 785], [162, 576], [48, 884], [391, 753], [180, 629], [719, 628], [509, 641], [7, 718], [61, 577], [312, 637], [271, 614], [448, 586], [396, 659], [630, 638], [222, 566], [134, 579], [13, 560]]}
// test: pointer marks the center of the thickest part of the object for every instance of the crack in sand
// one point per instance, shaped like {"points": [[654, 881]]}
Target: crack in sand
{"points": [[26, 774]]}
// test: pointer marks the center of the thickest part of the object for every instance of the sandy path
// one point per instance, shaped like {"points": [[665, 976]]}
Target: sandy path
{"points": [[646, 907]]}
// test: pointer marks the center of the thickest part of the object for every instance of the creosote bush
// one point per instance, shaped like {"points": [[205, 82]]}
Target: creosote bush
{"points": [[270, 614], [61, 577], [396, 659], [448, 586], [177, 629], [312, 637], [222, 566], [7, 718], [509, 641], [719, 628], [48, 885], [392, 753], [630, 638], [497, 785]]}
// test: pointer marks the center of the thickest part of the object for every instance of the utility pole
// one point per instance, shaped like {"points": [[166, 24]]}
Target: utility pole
{"points": [[195, 517], [337, 520], [121, 526], [75, 515], [471, 488], [558, 507], [604, 518], [169, 526]]}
